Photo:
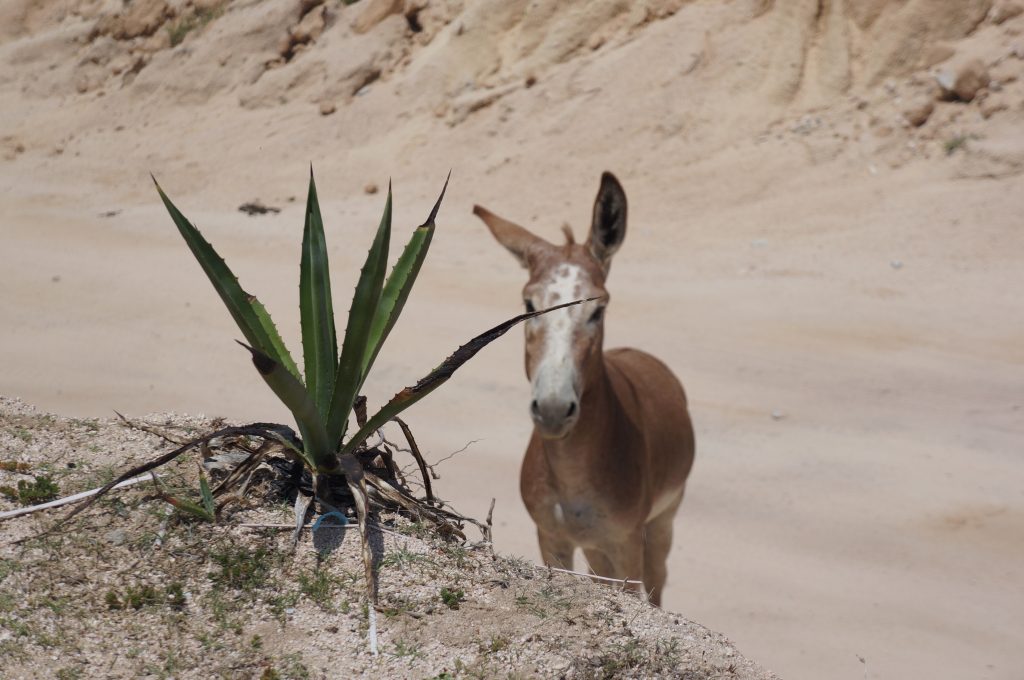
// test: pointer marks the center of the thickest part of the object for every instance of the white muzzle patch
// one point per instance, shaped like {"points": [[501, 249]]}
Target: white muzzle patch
{"points": [[556, 384]]}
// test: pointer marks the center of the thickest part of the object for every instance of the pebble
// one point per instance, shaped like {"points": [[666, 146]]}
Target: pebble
{"points": [[896, 264], [963, 81], [1002, 11], [370, 188], [327, 108], [116, 537], [918, 112]]}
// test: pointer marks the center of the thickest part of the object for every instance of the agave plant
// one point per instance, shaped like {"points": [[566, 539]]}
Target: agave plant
{"points": [[322, 400]]}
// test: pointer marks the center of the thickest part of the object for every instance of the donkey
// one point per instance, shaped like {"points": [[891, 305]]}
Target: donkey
{"points": [[612, 441]]}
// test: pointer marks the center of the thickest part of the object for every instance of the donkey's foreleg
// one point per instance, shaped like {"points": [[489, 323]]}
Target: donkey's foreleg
{"points": [[555, 550], [621, 561], [657, 544]]}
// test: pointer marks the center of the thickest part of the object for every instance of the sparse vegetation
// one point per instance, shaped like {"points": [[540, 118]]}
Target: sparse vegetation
{"points": [[23, 434], [40, 490], [495, 644], [452, 597], [401, 558], [322, 587], [14, 466], [137, 597], [187, 23], [214, 601], [955, 142], [242, 569], [406, 650]]}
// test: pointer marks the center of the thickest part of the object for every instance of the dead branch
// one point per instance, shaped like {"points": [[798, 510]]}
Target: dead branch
{"points": [[415, 450]]}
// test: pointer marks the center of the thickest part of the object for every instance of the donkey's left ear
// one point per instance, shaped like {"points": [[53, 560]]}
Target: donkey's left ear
{"points": [[609, 226]]}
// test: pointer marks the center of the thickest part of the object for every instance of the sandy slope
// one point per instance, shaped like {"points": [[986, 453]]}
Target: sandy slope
{"points": [[795, 247], [103, 597]]}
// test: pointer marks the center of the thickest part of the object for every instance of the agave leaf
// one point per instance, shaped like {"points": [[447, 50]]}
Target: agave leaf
{"points": [[357, 331], [319, 343], [399, 284], [434, 379], [185, 505], [206, 494], [250, 315], [318, 453], [279, 352]]}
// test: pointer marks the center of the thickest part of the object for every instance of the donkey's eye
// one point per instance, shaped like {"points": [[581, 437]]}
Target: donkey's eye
{"points": [[530, 309], [597, 315]]}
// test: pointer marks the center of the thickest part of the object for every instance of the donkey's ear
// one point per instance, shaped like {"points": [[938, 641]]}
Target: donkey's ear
{"points": [[609, 226], [517, 240]]}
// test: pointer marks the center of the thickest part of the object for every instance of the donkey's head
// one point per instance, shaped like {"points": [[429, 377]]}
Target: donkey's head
{"points": [[563, 348]]}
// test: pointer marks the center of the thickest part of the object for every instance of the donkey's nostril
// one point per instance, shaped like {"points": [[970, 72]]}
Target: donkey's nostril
{"points": [[572, 410], [534, 407]]}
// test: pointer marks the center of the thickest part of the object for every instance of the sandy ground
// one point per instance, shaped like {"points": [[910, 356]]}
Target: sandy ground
{"points": [[129, 590], [838, 290]]}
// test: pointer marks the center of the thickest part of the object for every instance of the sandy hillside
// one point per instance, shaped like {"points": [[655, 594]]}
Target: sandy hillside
{"points": [[824, 244], [134, 591]]}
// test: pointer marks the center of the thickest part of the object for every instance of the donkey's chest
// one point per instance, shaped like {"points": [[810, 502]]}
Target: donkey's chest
{"points": [[578, 511], [582, 520]]}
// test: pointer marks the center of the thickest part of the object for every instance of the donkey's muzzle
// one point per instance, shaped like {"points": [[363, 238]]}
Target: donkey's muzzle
{"points": [[554, 418]]}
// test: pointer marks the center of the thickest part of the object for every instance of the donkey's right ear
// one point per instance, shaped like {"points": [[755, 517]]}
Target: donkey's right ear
{"points": [[517, 240]]}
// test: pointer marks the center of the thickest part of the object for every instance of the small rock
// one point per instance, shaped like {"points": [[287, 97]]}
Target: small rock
{"points": [[1002, 11], [374, 12], [140, 18], [992, 105], [306, 5], [370, 188], [918, 112], [257, 208], [896, 264], [310, 27], [116, 537], [55, 278], [963, 81], [327, 108], [778, 415], [160, 40]]}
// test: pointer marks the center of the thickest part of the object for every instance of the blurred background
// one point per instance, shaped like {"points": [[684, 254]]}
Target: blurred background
{"points": [[825, 244]]}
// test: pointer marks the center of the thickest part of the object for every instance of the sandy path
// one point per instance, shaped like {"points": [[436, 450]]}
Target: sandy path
{"points": [[880, 516]]}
